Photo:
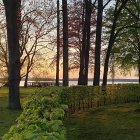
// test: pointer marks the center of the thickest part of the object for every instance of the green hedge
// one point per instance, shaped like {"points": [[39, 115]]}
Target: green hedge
{"points": [[85, 97], [41, 118]]}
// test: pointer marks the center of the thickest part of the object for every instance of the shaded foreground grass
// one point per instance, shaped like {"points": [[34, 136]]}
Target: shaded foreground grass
{"points": [[116, 122], [8, 117]]}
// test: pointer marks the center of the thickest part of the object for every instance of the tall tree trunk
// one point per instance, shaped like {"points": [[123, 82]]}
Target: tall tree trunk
{"points": [[138, 41], [12, 11], [84, 54], [96, 80], [26, 77], [65, 43], [139, 54], [88, 14], [82, 50], [58, 44], [111, 42], [117, 12], [139, 64], [26, 81]]}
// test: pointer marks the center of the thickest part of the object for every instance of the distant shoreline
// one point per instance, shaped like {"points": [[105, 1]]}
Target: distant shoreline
{"points": [[75, 79]]}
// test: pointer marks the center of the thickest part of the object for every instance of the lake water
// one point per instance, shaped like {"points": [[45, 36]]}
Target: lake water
{"points": [[90, 82]]}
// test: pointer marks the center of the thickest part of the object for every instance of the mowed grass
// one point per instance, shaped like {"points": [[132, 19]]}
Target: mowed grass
{"points": [[8, 117], [116, 122]]}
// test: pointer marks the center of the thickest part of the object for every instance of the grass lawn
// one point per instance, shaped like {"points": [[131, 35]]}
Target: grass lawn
{"points": [[7, 117], [116, 122]]}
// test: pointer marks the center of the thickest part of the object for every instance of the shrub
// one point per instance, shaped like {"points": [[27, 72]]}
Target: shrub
{"points": [[85, 97], [41, 118]]}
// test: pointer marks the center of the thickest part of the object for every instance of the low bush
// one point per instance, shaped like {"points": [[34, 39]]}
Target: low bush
{"points": [[41, 118]]}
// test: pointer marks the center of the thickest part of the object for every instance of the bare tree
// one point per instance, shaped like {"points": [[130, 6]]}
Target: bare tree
{"points": [[36, 25], [75, 36]]}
